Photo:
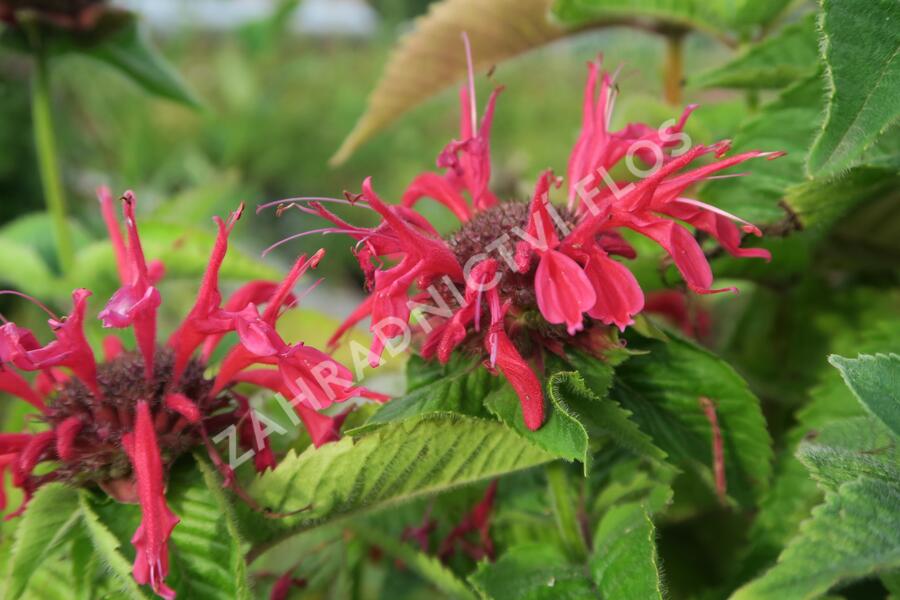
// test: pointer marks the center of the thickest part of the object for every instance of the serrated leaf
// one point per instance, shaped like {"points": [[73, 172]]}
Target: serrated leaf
{"points": [[720, 18], [663, 389], [562, 433], [600, 414], [854, 534], [428, 567], [49, 521], [460, 386], [875, 381], [625, 563], [787, 124], [793, 493], [51, 581], [775, 62], [395, 463], [106, 545], [206, 558], [821, 203], [532, 572], [431, 57], [850, 448], [860, 50]]}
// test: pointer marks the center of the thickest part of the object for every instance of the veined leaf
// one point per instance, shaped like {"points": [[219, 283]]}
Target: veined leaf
{"points": [[720, 18], [854, 534], [786, 124], [875, 380], [793, 493], [775, 62], [821, 203], [206, 558], [428, 567], [532, 572], [431, 57], [624, 563], [106, 545], [860, 50], [51, 519], [663, 389], [850, 448], [855, 460], [394, 463], [460, 386], [562, 433]]}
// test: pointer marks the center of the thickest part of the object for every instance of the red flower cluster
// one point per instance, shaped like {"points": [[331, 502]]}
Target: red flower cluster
{"points": [[534, 290], [121, 423]]}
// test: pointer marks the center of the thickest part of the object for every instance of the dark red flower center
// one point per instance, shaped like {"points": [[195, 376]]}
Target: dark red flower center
{"points": [[97, 452], [483, 237]]}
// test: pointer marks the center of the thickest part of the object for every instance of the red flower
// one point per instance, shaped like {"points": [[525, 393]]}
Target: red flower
{"points": [[535, 271], [121, 424]]}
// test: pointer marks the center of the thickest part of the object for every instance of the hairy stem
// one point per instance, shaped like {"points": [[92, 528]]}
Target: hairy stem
{"points": [[51, 181]]}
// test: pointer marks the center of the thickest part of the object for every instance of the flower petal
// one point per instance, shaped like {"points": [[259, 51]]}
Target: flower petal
{"points": [[563, 291]]}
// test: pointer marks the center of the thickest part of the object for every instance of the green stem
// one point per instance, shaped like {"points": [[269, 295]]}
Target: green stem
{"points": [[45, 144], [565, 509], [673, 73]]}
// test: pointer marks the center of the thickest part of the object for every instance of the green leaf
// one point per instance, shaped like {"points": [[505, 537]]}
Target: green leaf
{"points": [[786, 124], [107, 545], [128, 51], [850, 448], [428, 567], [586, 392], [624, 563], [564, 498], [663, 389], [431, 56], [854, 534], [793, 494], [206, 558], [50, 520], [22, 268], [395, 463], [776, 62], [460, 386], [821, 203], [720, 18], [860, 50], [875, 380], [562, 434], [532, 572], [856, 462]]}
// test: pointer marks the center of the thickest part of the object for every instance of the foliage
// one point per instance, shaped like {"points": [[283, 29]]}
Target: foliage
{"points": [[744, 451]]}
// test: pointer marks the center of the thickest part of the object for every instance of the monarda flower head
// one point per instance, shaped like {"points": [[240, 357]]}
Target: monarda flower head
{"points": [[120, 423], [519, 278]]}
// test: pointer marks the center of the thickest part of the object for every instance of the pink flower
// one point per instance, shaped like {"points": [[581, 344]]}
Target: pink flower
{"points": [[517, 280], [156, 403], [151, 566]]}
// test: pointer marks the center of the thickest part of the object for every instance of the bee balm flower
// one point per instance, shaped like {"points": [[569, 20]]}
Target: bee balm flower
{"points": [[121, 423], [529, 277]]}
